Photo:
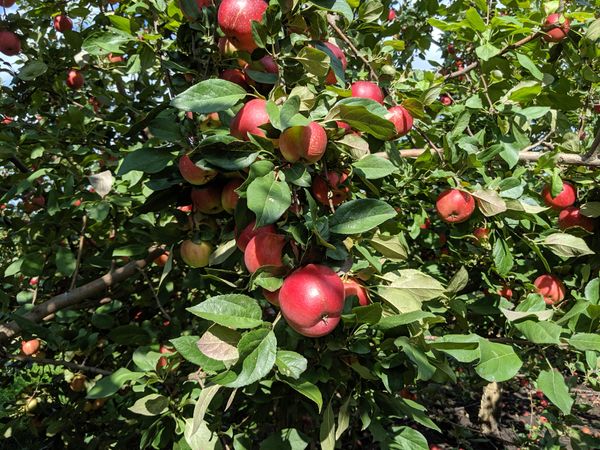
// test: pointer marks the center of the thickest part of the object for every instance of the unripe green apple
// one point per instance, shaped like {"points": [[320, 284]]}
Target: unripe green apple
{"points": [[195, 254]]}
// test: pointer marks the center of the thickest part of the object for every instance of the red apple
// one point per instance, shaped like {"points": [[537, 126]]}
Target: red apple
{"points": [[185, 208], [366, 89], [455, 206], [445, 99], [312, 300], [207, 200], [451, 49], [331, 189], [505, 292], [572, 217], [30, 347], [7, 3], [248, 119], [114, 59], [7, 120], [264, 249], [75, 79], [235, 76], [481, 233], [63, 23], [551, 288], [401, 119], [195, 254], [339, 54], [556, 27], [34, 281], [391, 15], [303, 142], [193, 174], [249, 232], [344, 126], [353, 287], [268, 64], [566, 197], [162, 259], [426, 224], [597, 108], [10, 44], [272, 297], [229, 197], [162, 361], [235, 20]]}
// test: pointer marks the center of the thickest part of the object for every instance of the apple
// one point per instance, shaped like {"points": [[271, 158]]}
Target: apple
{"points": [[249, 232], [207, 200], [229, 197], [98, 403], [10, 44], [566, 197], [192, 173], [339, 54], [551, 288], [556, 27], [268, 64], [391, 15], [195, 254], [354, 287], [7, 120], [366, 89], [481, 233], [344, 126], [75, 79], [505, 292], [455, 206], [332, 185], [115, 58], [30, 347], [162, 361], [446, 100], [210, 122], [571, 217], [401, 119], [235, 20], [162, 259], [264, 249], [306, 143], [34, 281], [235, 76], [272, 297], [63, 23], [248, 119], [7, 3], [597, 108], [77, 384], [185, 208], [426, 224], [312, 300], [451, 50]]}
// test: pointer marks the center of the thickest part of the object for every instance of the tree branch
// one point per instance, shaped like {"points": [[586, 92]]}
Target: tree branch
{"points": [[59, 362], [78, 295], [19, 164]]}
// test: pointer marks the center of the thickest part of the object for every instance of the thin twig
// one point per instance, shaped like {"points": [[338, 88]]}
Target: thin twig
{"points": [[541, 141], [18, 164], [59, 362], [155, 294], [79, 252], [438, 150], [594, 148], [485, 91]]}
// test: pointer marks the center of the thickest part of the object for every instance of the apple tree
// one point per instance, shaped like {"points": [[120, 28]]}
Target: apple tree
{"points": [[243, 224]]}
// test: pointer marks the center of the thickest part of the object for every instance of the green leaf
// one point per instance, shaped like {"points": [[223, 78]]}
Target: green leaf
{"points": [[290, 364], [374, 167], [110, 384], [187, 347], [220, 343], [315, 62], [459, 281], [104, 42], [593, 31], [413, 286], [202, 404], [474, 20], [360, 118], [540, 332], [150, 405], [487, 51], [585, 341], [425, 369], [233, 311], [360, 215], [489, 202], [553, 386], [287, 438], [308, 389], [65, 261], [528, 64], [148, 160], [392, 247], [327, 430], [591, 209], [209, 96], [410, 439], [31, 70], [503, 258], [498, 362], [464, 348], [258, 350], [339, 6], [397, 320], [567, 245], [268, 198]]}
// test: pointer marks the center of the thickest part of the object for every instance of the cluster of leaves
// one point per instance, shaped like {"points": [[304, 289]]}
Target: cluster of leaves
{"points": [[240, 376]]}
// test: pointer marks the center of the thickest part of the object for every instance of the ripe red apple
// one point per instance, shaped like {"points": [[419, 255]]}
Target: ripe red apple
{"points": [[7, 120], [391, 15], [75, 79], [445, 99], [401, 119], [264, 249], [248, 119], [339, 54], [334, 185], [7, 3], [426, 224], [272, 297], [566, 197], [597, 108], [354, 287], [207, 200], [481, 233], [551, 288], [572, 217], [454, 206], [235, 20], [235, 76], [162, 259], [193, 174], [344, 126], [195, 254], [162, 361], [63, 23], [366, 89], [303, 142], [451, 49], [556, 27], [30, 347], [185, 208], [505, 292], [10, 44], [229, 197], [267, 64], [34, 281], [114, 59], [312, 300], [249, 232]]}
